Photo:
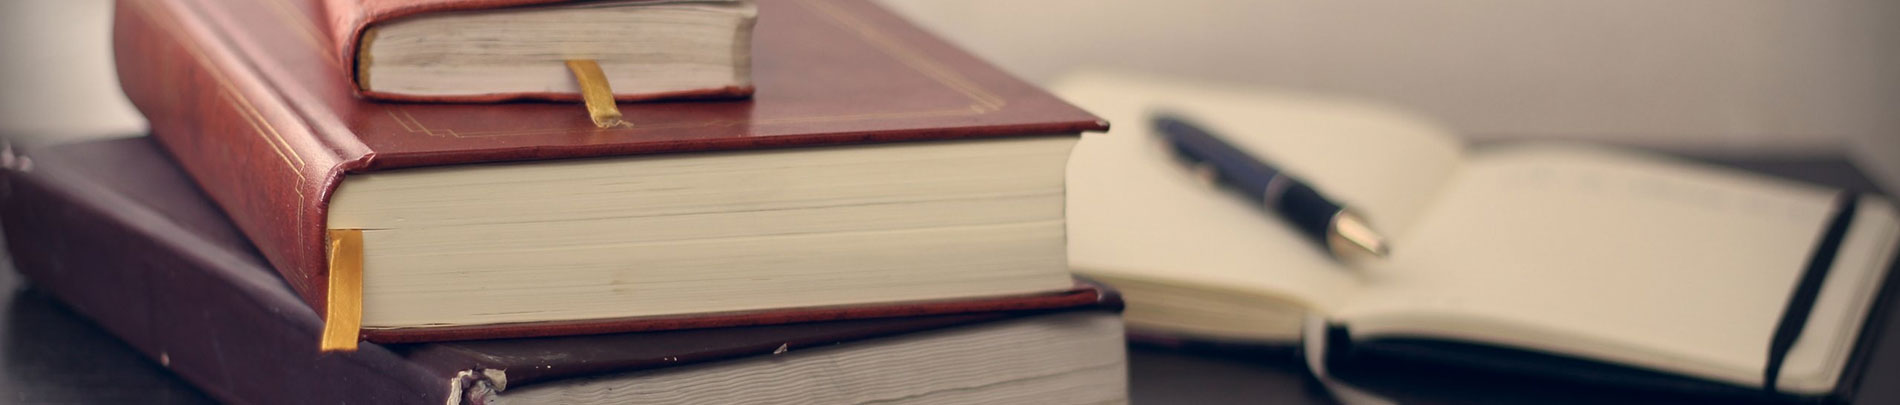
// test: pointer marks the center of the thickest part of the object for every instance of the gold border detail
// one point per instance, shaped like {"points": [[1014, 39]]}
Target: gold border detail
{"points": [[239, 102], [983, 99]]}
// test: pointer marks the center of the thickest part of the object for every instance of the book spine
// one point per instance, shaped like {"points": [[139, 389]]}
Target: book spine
{"points": [[238, 137], [185, 302]]}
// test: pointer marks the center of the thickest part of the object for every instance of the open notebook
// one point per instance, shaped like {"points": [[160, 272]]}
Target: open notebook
{"points": [[1609, 255]]}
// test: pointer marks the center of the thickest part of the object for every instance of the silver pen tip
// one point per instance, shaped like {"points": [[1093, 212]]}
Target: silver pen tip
{"points": [[1356, 233]]}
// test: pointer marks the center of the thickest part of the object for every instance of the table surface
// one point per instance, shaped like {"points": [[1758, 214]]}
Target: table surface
{"points": [[48, 354]]}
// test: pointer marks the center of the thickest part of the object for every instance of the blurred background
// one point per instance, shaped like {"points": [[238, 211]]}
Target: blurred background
{"points": [[1784, 77]]}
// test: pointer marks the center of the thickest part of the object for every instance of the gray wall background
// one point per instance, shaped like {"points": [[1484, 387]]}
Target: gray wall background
{"points": [[1729, 76]]}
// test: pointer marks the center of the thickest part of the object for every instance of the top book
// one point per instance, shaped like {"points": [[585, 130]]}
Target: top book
{"points": [[875, 164], [457, 50]]}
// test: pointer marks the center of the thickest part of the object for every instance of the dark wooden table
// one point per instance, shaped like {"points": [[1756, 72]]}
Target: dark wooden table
{"points": [[48, 354]]}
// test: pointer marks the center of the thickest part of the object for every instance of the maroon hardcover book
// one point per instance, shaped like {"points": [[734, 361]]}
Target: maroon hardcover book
{"points": [[248, 97], [115, 230]]}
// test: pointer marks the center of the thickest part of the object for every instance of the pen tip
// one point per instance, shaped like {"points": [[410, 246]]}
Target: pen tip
{"points": [[1371, 244], [1377, 247], [1354, 230]]}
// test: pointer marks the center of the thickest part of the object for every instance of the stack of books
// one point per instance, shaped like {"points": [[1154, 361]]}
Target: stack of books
{"points": [[399, 201]]}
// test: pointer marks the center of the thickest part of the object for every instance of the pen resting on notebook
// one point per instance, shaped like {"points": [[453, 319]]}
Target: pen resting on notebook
{"points": [[1337, 227]]}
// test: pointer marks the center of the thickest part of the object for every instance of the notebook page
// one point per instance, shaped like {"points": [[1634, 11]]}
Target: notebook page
{"points": [[1606, 254], [1133, 212]]}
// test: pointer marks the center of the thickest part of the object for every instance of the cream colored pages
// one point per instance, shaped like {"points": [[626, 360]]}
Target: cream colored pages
{"points": [[1136, 214], [1628, 258]]}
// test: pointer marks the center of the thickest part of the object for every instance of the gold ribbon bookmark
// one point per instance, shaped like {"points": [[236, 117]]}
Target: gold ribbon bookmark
{"points": [[343, 309], [597, 93]]}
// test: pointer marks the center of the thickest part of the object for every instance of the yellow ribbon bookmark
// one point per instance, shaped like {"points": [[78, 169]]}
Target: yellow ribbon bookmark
{"points": [[597, 93], [343, 309]]}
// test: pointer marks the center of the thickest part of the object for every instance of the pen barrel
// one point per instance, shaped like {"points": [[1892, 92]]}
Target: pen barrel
{"points": [[1309, 211], [1301, 205], [1232, 166]]}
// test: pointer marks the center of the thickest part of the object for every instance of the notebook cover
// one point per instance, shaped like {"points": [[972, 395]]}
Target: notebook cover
{"points": [[113, 229], [246, 95], [346, 22]]}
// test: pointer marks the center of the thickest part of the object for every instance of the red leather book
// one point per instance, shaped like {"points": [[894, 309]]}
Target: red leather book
{"points": [[351, 24], [248, 97], [114, 230]]}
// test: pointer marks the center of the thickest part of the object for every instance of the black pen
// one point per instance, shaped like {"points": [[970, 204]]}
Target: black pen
{"points": [[1332, 224]]}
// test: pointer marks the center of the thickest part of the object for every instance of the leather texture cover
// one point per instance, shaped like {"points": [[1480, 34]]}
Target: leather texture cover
{"points": [[347, 21], [246, 95], [113, 229]]}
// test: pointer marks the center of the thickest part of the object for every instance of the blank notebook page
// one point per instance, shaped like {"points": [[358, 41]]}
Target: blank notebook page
{"points": [[1622, 256], [1134, 212]]}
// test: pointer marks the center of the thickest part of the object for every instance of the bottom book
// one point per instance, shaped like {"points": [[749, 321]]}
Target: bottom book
{"points": [[116, 232]]}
